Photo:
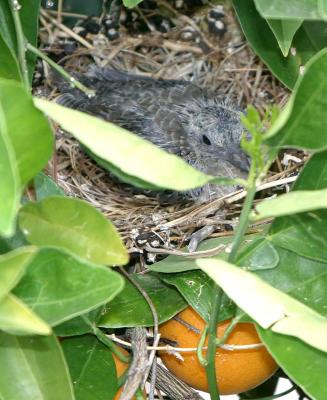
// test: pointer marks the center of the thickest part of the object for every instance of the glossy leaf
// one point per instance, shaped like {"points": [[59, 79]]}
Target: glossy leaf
{"points": [[308, 370], [10, 189], [130, 309], [92, 368], [305, 233], [126, 151], [257, 253], [25, 124], [12, 268], [291, 203], [263, 42], [284, 31], [33, 368], [75, 226], [44, 187], [16, 318], [197, 289], [174, 263], [302, 278], [293, 9], [28, 14], [306, 111], [131, 3], [8, 63], [269, 307], [58, 286], [80, 325]]}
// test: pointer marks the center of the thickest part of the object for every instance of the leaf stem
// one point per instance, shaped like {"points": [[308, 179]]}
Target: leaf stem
{"points": [[21, 42], [75, 83], [218, 293], [211, 353]]}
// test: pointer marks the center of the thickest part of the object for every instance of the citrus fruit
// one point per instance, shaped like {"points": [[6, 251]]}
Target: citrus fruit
{"points": [[237, 370]]}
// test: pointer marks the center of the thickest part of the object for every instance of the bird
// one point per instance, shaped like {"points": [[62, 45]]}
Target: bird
{"points": [[180, 117]]}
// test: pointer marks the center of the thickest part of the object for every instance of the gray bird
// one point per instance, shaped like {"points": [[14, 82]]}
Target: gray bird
{"points": [[178, 116]]}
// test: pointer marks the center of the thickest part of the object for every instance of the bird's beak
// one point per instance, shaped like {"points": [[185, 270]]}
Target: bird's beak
{"points": [[237, 157]]}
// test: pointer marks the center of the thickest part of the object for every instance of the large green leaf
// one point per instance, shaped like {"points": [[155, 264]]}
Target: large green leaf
{"points": [[44, 187], [197, 289], [305, 233], [16, 318], [80, 325], [291, 203], [256, 253], [8, 63], [305, 118], [12, 267], [33, 368], [127, 152], [174, 263], [304, 364], [284, 31], [28, 14], [92, 368], [262, 40], [58, 286], [269, 307], [75, 226], [28, 130], [130, 309], [292, 9], [10, 189]]}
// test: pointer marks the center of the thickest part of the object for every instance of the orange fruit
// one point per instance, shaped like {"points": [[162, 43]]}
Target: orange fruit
{"points": [[237, 371]]}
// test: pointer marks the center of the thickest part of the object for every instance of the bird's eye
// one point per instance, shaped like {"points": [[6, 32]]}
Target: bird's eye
{"points": [[206, 140]]}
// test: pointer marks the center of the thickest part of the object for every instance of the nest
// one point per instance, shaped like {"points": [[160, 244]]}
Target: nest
{"points": [[189, 50]]}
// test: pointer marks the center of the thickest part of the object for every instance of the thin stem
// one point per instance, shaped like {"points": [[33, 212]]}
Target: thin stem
{"points": [[203, 360], [106, 341], [218, 294], [211, 353], [228, 330], [21, 41], [244, 218], [75, 83]]}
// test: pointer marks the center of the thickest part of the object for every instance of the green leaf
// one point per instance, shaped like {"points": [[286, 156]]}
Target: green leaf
{"points": [[10, 189], [284, 31], [291, 203], [12, 268], [131, 3], [44, 187], [33, 368], [130, 309], [92, 368], [28, 130], [28, 13], [269, 307], [8, 63], [293, 9], [305, 365], [59, 287], [75, 226], [305, 233], [80, 325], [197, 289], [126, 151], [16, 318], [174, 263], [263, 42], [306, 112], [258, 254]]}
